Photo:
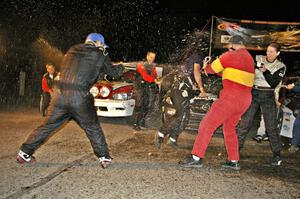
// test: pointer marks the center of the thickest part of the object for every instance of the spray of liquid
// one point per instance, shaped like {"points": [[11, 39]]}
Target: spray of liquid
{"points": [[48, 52]]}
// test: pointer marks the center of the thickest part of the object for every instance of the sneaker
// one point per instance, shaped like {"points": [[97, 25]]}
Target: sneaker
{"points": [[143, 127], [136, 127], [232, 165], [293, 149], [276, 161], [25, 158], [257, 138], [105, 161], [265, 138], [158, 141], [173, 143], [190, 162]]}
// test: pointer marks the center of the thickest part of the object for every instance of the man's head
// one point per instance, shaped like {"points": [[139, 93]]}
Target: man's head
{"points": [[50, 69], [150, 57], [236, 42], [97, 39]]}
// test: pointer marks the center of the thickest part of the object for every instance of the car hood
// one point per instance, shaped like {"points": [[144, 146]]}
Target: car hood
{"points": [[115, 85]]}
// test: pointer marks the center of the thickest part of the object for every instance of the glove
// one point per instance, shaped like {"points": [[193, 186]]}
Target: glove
{"points": [[118, 70], [206, 61]]}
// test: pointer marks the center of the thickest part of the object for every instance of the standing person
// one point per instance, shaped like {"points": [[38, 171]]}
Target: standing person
{"points": [[296, 128], [268, 76], [237, 70], [47, 87], [145, 89], [81, 68], [261, 134], [173, 123]]}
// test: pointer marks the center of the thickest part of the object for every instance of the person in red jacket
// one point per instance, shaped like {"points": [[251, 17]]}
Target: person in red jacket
{"points": [[145, 89], [47, 87], [237, 70]]}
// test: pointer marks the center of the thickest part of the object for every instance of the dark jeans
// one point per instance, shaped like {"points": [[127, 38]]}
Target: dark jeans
{"points": [[264, 100], [296, 131], [144, 101], [46, 102], [62, 109]]}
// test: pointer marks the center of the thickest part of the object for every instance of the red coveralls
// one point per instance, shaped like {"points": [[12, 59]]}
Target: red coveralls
{"points": [[237, 71]]}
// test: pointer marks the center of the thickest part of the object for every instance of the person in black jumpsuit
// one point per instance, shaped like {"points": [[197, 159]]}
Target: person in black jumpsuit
{"points": [[81, 67], [176, 99]]}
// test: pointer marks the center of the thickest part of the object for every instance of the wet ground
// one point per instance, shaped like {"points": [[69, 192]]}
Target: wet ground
{"points": [[66, 167]]}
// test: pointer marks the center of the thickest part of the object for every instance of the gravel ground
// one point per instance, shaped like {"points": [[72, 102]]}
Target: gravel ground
{"points": [[66, 167]]}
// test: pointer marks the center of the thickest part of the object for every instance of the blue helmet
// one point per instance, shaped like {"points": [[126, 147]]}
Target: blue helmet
{"points": [[94, 37]]}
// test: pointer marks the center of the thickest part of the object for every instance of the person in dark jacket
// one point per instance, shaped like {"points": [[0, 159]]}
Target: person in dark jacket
{"points": [[82, 66], [268, 75], [47, 87], [176, 100]]}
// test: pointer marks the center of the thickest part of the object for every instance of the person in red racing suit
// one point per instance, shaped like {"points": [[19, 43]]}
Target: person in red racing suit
{"points": [[145, 90], [237, 70], [82, 66], [47, 87]]}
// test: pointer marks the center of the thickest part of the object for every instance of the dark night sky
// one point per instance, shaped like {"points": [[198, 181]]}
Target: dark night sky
{"points": [[277, 10], [130, 27]]}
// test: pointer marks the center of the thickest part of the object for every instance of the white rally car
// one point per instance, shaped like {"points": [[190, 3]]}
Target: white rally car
{"points": [[115, 98]]}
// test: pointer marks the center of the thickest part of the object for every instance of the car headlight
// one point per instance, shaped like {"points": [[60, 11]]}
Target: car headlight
{"points": [[104, 91], [122, 96], [170, 111], [94, 91]]}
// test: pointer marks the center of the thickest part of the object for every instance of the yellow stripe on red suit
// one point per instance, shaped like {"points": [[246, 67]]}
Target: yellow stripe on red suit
{"points": [[236, 66], [217, 66], [238, 76]]}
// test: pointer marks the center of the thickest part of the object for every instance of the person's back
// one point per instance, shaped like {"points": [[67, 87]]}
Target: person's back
{"points": [[238, 71], [187, 65], [81, 67]]}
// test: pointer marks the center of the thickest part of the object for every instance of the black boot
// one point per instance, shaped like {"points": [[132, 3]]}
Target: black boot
{"points": [[276, 159]]}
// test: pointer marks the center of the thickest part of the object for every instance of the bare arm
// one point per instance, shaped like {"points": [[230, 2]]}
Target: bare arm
{"points": [[197, 76]]}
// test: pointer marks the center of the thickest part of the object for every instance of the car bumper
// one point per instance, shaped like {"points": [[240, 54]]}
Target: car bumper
{"points": [[114, 108]]}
